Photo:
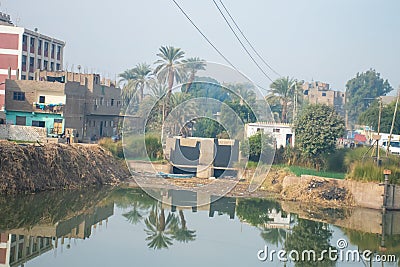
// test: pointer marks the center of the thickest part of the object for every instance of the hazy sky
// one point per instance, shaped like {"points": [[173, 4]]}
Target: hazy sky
{"points": [[328, 41]]}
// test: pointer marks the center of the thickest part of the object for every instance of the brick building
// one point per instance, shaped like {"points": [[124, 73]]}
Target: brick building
{"points": [[62, 102], [320, 93], [23, 51]]}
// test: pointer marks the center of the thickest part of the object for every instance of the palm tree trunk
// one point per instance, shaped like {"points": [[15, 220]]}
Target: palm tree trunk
{"points": [[169, 93], [183, 221], [162, 220], [191, 79], [284, 111]]}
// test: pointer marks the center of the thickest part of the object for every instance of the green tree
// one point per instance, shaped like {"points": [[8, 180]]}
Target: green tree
{"points": [[317, 129], [370, 118], [192, 66], [259, 147], [207, 87], [282, 92], [169, 67], [206, 127], [361, 90]]}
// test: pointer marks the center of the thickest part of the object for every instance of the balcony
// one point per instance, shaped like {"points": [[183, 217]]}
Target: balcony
{"points": [[48, 108]]}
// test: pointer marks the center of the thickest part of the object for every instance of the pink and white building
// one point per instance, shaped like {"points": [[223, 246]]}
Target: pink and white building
{"points": [[23, 51]]}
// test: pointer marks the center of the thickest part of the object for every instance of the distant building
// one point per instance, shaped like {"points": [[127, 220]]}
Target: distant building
{"points": [[23, 51], [320, 93], [282, 132], [65, 102]]}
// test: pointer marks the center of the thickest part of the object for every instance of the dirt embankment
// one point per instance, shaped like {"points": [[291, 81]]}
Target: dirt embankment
{"points": [[33, 168]]}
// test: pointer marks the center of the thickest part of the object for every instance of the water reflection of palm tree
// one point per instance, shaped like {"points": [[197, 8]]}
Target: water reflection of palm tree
{"points": [[160, 229], [133, 216], [182, 234], [275, 236]]}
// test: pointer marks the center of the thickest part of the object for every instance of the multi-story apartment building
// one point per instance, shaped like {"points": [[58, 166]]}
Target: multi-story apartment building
{"points": [[23, 51], [65, 102], [320, 93]]}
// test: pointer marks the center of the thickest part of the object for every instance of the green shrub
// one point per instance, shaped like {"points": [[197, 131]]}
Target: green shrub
{"points": [[368, 171], [143, 147], [114, 147]]}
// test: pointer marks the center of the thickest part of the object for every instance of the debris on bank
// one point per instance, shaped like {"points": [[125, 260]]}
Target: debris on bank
{"points": [[318, 191], [34, 168]]}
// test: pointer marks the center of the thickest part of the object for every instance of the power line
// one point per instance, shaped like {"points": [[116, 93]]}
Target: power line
{"points": [[241, 43], [244, 36], [210, 43]]}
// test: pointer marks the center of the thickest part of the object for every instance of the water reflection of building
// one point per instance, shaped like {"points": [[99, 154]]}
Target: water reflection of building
{"points": [[19, 246], [278, 219], [185, 199]]}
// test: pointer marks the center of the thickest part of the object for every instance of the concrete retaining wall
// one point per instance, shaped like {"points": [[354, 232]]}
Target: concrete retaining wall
{"points": [[149, 167], [22, 133]]}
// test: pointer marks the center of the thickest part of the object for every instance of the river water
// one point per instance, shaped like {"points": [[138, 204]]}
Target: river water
{"points": [[126, 227]]}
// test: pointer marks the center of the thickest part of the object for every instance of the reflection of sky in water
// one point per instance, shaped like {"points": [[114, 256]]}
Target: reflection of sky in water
{"points": [[220, 241]]}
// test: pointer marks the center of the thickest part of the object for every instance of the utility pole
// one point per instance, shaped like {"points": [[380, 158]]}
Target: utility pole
{"points": [[295, 102], [379, 129], [393, 120]]}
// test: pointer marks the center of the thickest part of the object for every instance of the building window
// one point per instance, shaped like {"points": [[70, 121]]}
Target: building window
{"points": [[42, 99], [31, 64], [30, 78], [276, 130], [101, 101], [19, 96], [25, 43], [40, 42], [112, 123], [45, 64], [118, 103], [53, 47], [39, 124], [39, 64], [23, 77], [58, 66], [58, 52], [46, 49], [52, 66], [24, 58], [323, 94], [32, 45], [105, 124]]}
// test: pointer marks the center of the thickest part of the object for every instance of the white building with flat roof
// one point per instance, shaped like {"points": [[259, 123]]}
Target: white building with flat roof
{"points": [[282, 132]]}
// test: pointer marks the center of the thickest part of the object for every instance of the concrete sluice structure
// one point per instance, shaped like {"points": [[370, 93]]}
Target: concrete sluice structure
{"points": [[203, 157]]}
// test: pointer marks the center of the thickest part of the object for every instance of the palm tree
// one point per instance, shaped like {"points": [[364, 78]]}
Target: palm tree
{"points": [[282, 91], [135, 80], [169, 67], [192, 66], [182, 234], [160, 229], [142, 76]]}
